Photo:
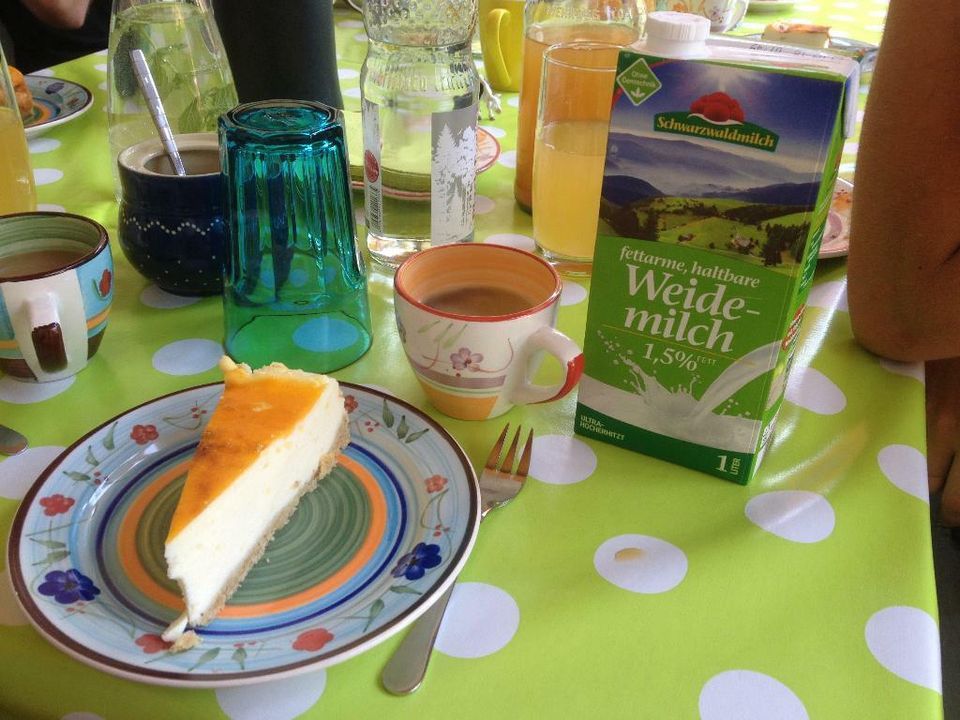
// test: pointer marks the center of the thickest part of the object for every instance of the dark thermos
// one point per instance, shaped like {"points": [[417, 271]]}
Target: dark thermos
{"points": [[280, 49]]}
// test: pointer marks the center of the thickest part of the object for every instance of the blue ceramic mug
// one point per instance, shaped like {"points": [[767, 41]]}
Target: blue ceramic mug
{"points": [[171, 227], [56, 288]]}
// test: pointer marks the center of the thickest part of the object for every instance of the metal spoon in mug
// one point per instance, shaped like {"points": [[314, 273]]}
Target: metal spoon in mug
{"points": [[11, 442], [149, 89]]}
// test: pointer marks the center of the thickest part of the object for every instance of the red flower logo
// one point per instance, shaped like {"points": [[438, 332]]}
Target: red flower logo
{"points": [[105, 283], [312, 640], [152, 644], [435, 483], [350, 403], [142, 434], [56, 504], [718, 107]]}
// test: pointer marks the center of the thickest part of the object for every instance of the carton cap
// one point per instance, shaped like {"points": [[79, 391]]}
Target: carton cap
{"points": [[676, 34]]}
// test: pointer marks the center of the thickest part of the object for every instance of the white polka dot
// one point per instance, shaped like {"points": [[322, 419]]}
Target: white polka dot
{"points": [[352, 92], [640, 563], [45, 176], [325, 334], [483, 205], [796, 515], [860, 114], [748, 695], [847, 167], [187, 357], [81, 716], [905, 640], [851, 147], [360, 37], [572, 293], [508, 158], [480, 620], [514, 102], [50, 207], [153, 296], [42, 145], [103, 85], [19, 472], [102, 67], [561, 460], [524, 242], [830, 295], [283, 699], [360, 216], [102, 53], [45, 72], [350, 24], [347, 74], [814, 391], [495, 131], [913, 370], [10, 613], [25, 393], [874, 28], [905, 467]]}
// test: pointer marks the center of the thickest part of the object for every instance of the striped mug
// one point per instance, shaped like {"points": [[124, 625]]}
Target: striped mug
{"points": [[56, 287]]}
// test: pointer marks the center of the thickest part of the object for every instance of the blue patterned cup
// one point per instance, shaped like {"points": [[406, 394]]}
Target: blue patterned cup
{"points": [[171, 227], [56, 287]]}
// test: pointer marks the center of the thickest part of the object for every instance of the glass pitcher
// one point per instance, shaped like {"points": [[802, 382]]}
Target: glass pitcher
{"points": [[547, 22], [187, 60], [17, 193]]}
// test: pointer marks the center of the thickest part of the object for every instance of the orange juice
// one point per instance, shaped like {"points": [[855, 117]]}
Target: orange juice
{"points": [[16, 178], [568, 167], [538, 39]]}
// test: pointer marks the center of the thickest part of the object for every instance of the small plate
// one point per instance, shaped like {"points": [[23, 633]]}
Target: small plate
{"points": [[488, 150], [364, 555], [836, 232], [769, 5], [55, 102]]}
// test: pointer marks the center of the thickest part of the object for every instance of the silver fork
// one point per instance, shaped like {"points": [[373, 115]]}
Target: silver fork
{"points": [[499, 484]]}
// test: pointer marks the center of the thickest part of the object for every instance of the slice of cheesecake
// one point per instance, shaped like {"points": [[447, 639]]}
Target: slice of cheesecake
{"points": [[812, 36], [273, 435]]}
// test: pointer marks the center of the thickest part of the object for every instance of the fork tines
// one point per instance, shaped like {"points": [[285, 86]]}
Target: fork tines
{"points": [[507, 465]]}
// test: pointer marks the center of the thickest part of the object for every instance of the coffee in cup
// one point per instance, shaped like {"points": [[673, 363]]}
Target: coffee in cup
{"points": [[56, 288], [474, 320]]}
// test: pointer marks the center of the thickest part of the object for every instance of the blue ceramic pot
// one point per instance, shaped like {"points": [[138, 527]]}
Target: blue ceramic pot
{"points": [[171, 228]]}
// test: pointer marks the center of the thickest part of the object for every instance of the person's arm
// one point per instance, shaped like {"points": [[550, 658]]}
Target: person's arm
{"points": [[904, 265], [66, 14]]}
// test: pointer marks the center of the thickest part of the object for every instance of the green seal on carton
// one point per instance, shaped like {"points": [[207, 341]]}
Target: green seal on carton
{"points": [[638, 82]]}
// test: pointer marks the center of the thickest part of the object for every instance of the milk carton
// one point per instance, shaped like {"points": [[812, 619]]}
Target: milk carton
{"points": [[717, 183]]}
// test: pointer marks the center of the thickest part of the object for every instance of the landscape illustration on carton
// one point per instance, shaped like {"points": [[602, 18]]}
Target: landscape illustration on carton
{"points": [[720, 158]]}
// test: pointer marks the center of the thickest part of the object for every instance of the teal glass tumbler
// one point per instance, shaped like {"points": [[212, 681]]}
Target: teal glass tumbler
{"points": [[295, 288]]}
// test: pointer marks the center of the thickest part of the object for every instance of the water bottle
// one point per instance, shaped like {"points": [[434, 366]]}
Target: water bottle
{"points": [[419, 90]]}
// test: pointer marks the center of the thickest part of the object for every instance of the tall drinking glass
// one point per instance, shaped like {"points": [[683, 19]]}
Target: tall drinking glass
{"points": [[571, 142], [183, 49], [294, 284], [549, 22], [17, 193]]}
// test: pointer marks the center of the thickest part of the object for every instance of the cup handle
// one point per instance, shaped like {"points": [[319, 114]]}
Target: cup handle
{"points": [[739, 14], [561, 347], [492, 50], [46, 333]]}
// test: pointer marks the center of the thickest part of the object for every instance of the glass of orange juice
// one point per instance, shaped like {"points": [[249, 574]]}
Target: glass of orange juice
{"points": [[571, 142], [549, 22], [17, 193]]}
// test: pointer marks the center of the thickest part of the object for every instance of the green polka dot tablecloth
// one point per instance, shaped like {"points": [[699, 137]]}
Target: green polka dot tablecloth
{"points": [[616, 585]]}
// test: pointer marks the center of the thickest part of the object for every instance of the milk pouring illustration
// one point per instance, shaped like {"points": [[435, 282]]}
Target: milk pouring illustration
{"points": [[717, 182]]}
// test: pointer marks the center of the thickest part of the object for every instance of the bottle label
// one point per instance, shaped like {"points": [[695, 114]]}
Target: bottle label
{"points": [[453, 174], [371, 167]]}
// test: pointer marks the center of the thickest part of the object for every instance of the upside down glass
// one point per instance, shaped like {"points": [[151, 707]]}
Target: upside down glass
{"points": [[294, 284], [571, 141]]}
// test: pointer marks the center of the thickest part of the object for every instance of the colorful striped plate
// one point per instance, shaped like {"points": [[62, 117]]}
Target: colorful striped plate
{"points": [[364, 555]]}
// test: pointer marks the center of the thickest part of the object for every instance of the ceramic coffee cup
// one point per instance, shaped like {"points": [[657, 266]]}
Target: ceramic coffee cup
{"points": [[171, 228], [723, 14], [474, 320], [56, 287]]}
